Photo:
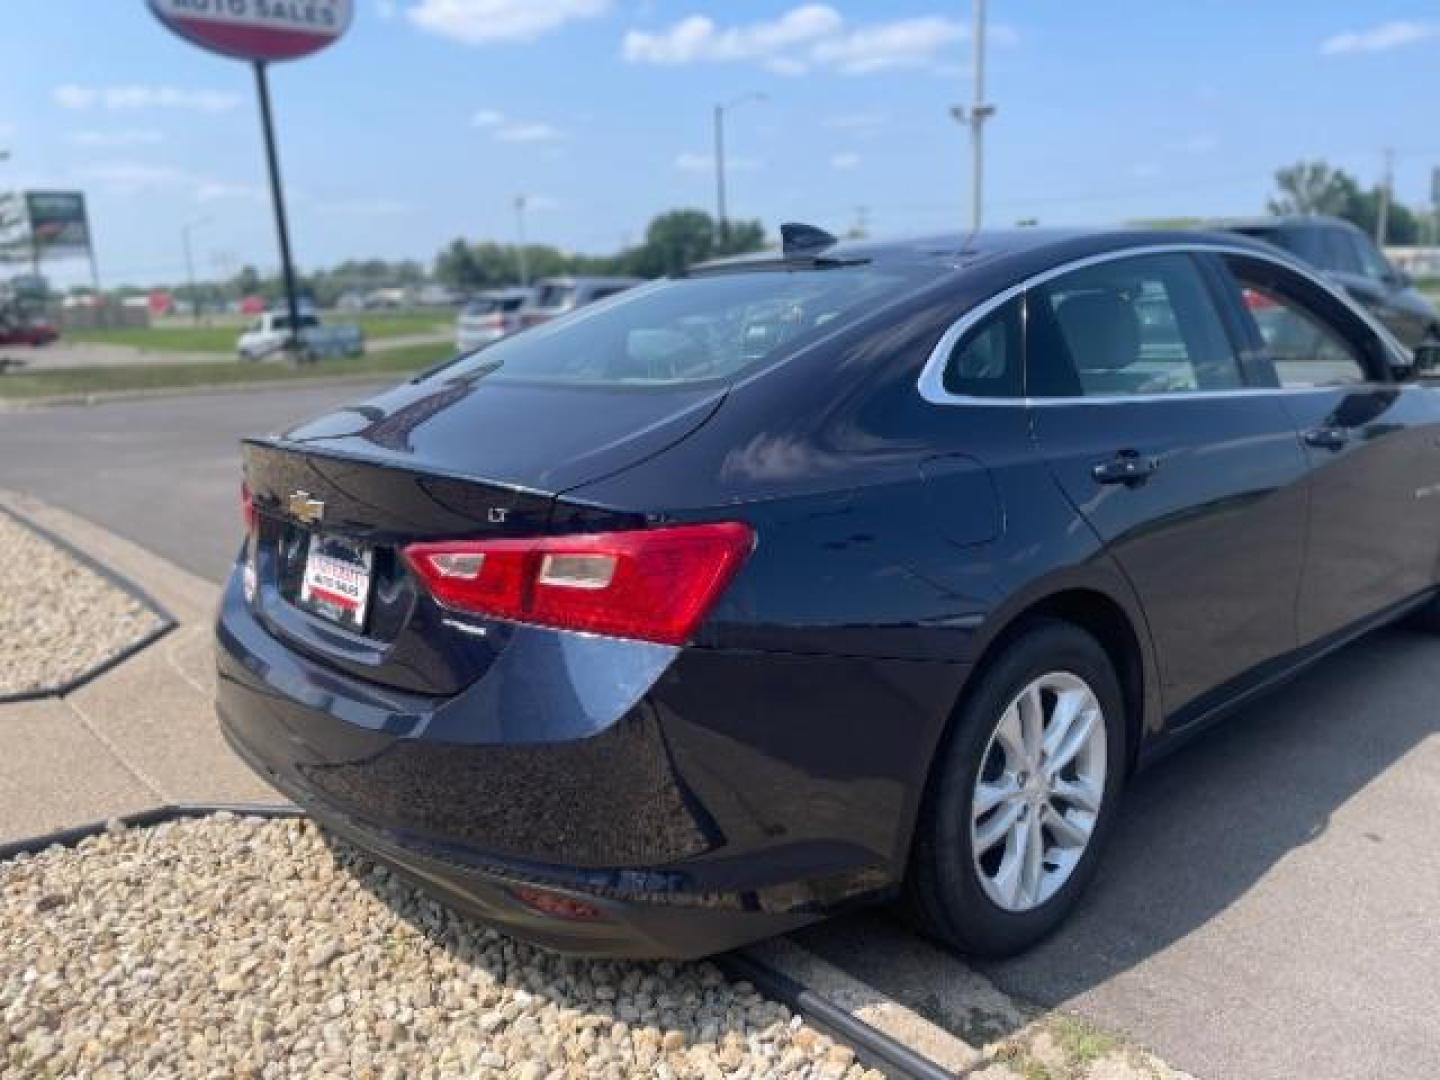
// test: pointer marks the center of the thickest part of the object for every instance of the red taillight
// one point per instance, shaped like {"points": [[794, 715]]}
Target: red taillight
{"points": [[652, 584], [1258, 301], [247, 507]]}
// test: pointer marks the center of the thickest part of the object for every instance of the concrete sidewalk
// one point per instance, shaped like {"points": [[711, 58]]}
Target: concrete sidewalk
{"points": [[139, 736]]}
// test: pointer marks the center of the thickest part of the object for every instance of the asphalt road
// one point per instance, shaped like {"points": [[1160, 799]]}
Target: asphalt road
{"points": [[163, 472], [1269, 908]]}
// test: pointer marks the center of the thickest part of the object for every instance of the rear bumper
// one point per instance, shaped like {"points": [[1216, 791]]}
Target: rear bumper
{"points": [[696, 799]]}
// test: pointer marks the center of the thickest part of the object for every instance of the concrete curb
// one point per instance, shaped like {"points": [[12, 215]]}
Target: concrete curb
{"points": [[125, 585]]}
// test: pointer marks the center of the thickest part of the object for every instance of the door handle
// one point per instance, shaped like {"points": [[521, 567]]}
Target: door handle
{"points": [[1126, 467], [1326, 438]]}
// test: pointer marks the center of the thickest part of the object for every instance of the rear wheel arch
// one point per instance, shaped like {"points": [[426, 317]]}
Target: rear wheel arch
{"points": [[1108, 621]]}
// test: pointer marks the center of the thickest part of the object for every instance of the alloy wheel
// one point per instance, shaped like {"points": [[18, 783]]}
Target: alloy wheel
{"points": [[1039, 791]]}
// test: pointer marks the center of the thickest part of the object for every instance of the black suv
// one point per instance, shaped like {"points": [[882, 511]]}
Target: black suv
{"points": [[1348, 256]]}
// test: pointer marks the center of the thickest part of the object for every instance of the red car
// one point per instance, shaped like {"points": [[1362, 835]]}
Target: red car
{"points": [[36, 334]]}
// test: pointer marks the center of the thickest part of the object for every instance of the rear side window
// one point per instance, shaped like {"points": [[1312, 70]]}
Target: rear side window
{"points": [[1340, 253], [711, 326], [988, 360], [1140, 325], [1304, 351], [553, 296]]}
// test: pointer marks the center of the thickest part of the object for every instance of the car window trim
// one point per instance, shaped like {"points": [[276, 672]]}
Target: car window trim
{"points": [[931, 383]]}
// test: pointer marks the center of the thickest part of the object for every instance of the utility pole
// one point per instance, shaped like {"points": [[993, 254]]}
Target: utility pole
{"points": [[722, 224], [978, 113], [1382, 219], [520, 253], [282, 226], [190, 266]]}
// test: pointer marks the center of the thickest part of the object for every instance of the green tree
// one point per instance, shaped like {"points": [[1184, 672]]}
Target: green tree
{"points": [[1313, 187]]}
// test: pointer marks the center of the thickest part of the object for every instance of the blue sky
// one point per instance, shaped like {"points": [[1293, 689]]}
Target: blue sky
{"points": [[426, 121]]}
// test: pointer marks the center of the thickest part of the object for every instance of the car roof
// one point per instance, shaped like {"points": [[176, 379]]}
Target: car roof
{"points": [[504, 294], [1288, 221], [1033, 247]]}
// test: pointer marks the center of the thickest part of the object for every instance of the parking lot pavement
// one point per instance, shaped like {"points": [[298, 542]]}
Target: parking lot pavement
{"points": [[1268, 907], [1267, 910], [163, 472]]}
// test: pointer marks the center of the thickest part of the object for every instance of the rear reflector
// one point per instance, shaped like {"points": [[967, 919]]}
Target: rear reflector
{"points": [[651, 584], [556, 905]]}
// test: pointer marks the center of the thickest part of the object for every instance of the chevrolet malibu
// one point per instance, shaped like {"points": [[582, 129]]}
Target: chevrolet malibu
{"points": [[843, 574]]}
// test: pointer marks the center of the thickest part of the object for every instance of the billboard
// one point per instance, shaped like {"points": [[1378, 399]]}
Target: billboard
{"points": [[58, 225], [37, 225]]}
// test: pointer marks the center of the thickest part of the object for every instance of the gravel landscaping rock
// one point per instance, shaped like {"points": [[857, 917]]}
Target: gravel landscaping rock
{"points": [[58, 618], [240, 947]]}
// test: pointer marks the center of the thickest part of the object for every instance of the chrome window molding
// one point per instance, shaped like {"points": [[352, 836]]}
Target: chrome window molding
{"points": [[932, 377]]}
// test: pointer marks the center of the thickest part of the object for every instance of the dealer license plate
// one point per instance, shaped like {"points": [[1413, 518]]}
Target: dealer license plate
{"points": [[336, 584]]}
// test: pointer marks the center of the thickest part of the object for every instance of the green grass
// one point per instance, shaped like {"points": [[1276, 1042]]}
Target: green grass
{"points": [[69, 382], [180, 336]]}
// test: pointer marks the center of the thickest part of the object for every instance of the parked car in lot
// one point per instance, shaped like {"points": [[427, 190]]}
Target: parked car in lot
{"points": [[845, 573], [1351, 259], [32, 332], [489, 317], [556, 296], [270, 335]]}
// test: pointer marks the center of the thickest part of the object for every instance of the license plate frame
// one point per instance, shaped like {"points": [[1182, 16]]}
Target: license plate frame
{"points": [[336, 579]]}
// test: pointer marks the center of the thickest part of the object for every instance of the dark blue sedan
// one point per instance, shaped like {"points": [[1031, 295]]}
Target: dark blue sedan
{"points": [[842, 574]]}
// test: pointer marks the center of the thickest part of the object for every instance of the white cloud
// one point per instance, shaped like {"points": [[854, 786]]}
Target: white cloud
{"points": [[505, 128], [806, 37], [845, 161], [219, 190], [137, 96], [1380, 38], [110, 140], [905, 43], [483, 22], [142, 178], [699, 38], [705, 163], [528, 132]]}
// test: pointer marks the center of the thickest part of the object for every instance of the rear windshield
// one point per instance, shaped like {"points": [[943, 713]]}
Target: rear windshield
{"points": [[695, 329]]}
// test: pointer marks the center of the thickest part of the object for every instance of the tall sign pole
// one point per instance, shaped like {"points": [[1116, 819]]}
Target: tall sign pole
{"points": [[277, 198], [263, 32]]}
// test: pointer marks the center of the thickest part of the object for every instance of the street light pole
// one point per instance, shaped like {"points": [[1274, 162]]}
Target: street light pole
{"points": [[978, 113], [722, 223], [520, 253]]}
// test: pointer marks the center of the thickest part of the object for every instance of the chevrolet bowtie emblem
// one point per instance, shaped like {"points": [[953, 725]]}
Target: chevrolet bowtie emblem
{"points": [[304, 508]]}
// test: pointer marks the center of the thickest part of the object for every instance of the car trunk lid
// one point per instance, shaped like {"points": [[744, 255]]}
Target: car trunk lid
{"points": [[433, 462]]}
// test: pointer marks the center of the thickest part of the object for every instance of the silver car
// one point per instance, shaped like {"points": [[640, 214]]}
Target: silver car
{"points": [[556, 296], [489, 317]]}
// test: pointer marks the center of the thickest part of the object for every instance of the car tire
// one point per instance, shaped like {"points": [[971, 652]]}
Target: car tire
{"points": [[979, 905]]}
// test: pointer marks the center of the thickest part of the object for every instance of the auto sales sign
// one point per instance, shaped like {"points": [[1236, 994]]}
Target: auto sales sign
{"points": [[258, 30]]}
